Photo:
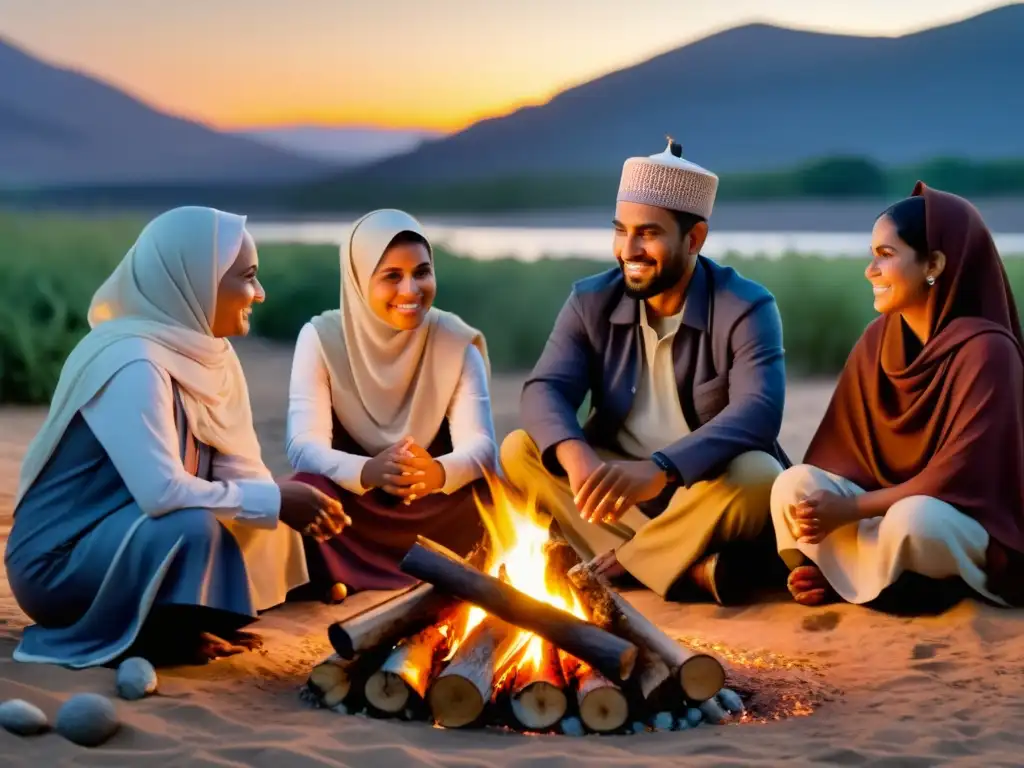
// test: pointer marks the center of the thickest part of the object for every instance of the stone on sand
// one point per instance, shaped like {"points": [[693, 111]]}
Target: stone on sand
{"points": [[136, 679], [730, 700], [20, 717], [87, 719]]}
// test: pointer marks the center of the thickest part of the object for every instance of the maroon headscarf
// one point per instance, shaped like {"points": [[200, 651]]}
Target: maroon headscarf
{"points": [[948, 423]]}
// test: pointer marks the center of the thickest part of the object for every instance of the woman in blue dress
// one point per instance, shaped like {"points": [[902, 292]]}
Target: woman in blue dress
{"points": [[145, 520]]}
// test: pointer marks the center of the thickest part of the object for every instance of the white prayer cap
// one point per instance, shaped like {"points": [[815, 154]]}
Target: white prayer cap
{"points": [[666, 180]]}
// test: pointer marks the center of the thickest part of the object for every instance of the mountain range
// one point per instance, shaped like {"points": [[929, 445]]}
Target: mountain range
{"points": [[348, 146], [757, 98], [752, 98], [61, 127]]}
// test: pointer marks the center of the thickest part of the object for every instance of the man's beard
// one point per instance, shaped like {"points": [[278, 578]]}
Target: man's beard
{"points": [[670, 275]]}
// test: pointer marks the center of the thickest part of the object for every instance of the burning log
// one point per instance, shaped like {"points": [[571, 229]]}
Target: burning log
{"points": [[560, 557], [700, 676], [537, 692], [611, 655], [330, 682], [653, 681], [460, 693], [387, 622], [604, 707], [404, 676], [336, 681], [402, 615]]}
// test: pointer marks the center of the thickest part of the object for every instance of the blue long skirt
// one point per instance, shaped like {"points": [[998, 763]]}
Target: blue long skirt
{"points": [[88, 566]]}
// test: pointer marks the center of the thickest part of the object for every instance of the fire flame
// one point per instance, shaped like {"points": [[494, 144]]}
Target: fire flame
{"points": [[517, 532]]}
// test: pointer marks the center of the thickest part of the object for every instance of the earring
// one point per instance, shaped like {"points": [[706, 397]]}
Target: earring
{"points": [[930, 280]]}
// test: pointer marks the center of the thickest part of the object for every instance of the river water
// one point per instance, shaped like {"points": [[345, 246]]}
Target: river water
{"points": [[834, 230]]}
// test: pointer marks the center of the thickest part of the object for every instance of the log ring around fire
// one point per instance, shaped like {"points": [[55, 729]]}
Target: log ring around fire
{"points": [[524, 664]]}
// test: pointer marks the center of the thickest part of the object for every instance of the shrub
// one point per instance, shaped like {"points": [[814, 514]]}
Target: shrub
{"points": [[51, 265]]}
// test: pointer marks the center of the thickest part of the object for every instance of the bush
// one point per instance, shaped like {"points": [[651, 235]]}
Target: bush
{"points": [[50, 266]]}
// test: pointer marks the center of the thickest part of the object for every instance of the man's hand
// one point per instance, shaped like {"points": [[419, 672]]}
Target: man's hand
{"points": [[615, 486], [579, 461]]}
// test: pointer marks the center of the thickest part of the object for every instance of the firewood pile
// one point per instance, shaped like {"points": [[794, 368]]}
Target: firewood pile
{"points": [[467, 647]]}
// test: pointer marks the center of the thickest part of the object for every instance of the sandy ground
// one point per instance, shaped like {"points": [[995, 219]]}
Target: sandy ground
{"points": [[887, 691]]}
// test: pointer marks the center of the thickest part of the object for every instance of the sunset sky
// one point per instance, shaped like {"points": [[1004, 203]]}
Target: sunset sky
{"points": [[401, 63]]}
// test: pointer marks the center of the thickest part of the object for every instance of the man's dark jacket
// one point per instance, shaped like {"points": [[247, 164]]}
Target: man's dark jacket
{"points": [[729, 365]]}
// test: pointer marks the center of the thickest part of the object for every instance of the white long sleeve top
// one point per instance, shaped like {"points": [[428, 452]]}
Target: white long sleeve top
{"points": [[132, 417], [310, 423]]}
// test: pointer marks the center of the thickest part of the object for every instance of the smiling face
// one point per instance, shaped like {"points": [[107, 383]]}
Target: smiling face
{"points": [[402, 287], [653, 252], [238, 290], [897, 273]]}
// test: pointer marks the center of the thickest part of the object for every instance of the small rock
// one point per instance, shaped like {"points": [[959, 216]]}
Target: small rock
{"points": [[307, 696], [136, 679], [639, 728], [337, 593], [662, 721], [714, 713], [682, 724], [572, 726], [730, 700], [87, 719], [22, 718], [341, 709], [694, 717]]}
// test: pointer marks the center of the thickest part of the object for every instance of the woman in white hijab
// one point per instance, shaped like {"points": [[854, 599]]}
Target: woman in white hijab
{"points": [[390, 411], [146, 521]]}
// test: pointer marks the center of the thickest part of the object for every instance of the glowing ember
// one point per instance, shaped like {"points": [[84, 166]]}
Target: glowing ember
{"points": [[773, 686], [752, 660]]}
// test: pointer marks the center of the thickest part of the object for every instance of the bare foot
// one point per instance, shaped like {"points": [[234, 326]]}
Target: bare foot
{"points": [[808, 586], [607, 565], [213, 647], [250, 641]]}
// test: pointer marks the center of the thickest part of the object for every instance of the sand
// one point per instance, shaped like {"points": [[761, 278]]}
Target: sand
{"points": [[887, 690]]}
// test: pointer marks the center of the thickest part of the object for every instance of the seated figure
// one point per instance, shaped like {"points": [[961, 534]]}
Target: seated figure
{"points": [[146, 522], [390, 412], [669, 479], [916, 474]]}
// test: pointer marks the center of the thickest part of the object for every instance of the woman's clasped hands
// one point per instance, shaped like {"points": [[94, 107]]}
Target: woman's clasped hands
{"points": [[404, 470]]}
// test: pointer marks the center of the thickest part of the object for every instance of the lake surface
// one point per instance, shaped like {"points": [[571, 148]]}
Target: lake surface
{"points": [[831, 229]]}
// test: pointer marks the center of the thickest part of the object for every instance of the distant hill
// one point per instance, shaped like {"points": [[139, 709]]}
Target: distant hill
{"points": [[59, 127], [756, 98], [346, 146]]}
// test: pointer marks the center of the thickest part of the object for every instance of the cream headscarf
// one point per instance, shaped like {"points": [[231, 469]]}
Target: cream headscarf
{"points": [[386, 383], [157, 305]]}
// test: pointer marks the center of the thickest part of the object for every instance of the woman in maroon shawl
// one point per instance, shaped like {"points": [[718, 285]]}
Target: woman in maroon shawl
{"points": [[918, 465], [389, 411]]}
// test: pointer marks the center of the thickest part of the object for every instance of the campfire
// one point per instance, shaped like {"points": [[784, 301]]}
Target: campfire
{"points": [[519, 634]]}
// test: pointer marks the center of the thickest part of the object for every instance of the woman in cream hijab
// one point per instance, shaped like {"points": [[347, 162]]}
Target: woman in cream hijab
{"points": [[389, 411], [146, 521]]}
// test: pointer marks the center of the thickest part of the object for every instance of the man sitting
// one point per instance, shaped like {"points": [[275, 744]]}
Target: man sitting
{"points": [[683, 361]]}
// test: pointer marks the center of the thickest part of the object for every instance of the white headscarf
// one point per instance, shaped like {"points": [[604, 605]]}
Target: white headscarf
{"points": [[158, 305], [388, 383]]}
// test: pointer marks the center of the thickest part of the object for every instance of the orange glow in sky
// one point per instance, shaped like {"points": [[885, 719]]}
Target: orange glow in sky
{"points": [[439, 64]]}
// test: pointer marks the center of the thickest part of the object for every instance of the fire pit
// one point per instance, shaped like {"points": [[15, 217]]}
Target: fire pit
{"points": [[520, 635]]}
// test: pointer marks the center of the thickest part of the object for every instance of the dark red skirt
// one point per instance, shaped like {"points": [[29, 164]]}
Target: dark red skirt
{"points": [[367, 553]]}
